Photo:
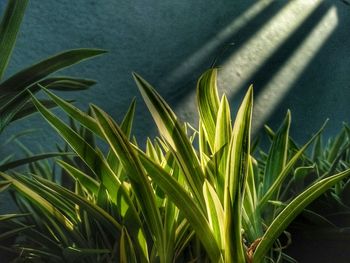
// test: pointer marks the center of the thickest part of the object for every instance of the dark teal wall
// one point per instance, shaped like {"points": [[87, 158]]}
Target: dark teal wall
{"points": [[170, 42], [149, 37]]}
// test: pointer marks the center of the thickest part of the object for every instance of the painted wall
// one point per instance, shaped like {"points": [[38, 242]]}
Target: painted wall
{"points": [[296, 53]]}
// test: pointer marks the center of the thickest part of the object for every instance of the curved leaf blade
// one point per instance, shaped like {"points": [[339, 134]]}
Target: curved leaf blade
{"points": [[235, 180], [9, 28], [208, 103], [292, 210], [36, 72], [275, 186], [183, 200], [173, 133], [139, 180]]}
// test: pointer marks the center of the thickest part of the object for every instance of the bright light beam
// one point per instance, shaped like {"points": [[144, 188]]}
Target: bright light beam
{"points": [[200, 55], [276, 89], [246, 61]]}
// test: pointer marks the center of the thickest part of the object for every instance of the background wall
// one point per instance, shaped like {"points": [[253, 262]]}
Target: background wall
{"points": [[296, 53]]}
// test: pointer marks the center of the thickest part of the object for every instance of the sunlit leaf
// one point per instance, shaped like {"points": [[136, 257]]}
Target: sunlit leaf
{"points": [[296, 206], [235, 180], [9, 28], [208, 103]]}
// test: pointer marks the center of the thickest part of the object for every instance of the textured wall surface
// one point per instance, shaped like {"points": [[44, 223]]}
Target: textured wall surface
{"points": [[149, 37], [295, 52]]}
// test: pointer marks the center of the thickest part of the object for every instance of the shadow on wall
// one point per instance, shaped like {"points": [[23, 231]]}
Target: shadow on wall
{"points": [[294, 52], [149, 39], [222, 44], [295, 55], [322, 88]]}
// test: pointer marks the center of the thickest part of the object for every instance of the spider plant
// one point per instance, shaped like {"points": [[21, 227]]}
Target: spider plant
{"points": [[326, 220], [15, 102], [14, 97], [228, 182], [325, 160], [173, 201]]}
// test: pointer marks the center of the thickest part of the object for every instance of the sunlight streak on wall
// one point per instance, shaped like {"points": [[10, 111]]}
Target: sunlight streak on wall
{"points": [[241, 66], [275, 90], [202, 54]]}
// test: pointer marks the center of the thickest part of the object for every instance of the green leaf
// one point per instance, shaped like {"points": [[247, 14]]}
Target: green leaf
{"points": [[337, 144], [94, 210], [86, 181], [138, 178], [215, 213], [65, 207], [16, 105], [251, 216], [31, 159], [13, 232], [36, 72], [67, 83], [78, 115], [235, 180], [208, 104], [10, 108], [24, 107], [28, 108], [223, 135], [39, 201], [4, 185], [277, 156], [10, 216], [186, 204], [294, 208], [127, 122], [287, 169], [13, 91], [127, 251], [300, 175], [317, 149], [9, 28], [93, 159], [175, 136], [170, 225], [126, 127]]}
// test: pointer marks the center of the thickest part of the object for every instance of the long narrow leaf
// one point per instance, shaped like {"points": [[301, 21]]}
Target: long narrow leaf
{"points": [[91, 208], [86, 181], [277, 156], [28, 76], [223, 135], [4, 185], [31, 159], [291, 211], [9, 28], [75, 113], [93, 159], [208, 103], [275, 186], [172, 131], [215, 213], [38, 200], [138, 178], [235, 180], [28, 108], [186, 205], [127, 252]]}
